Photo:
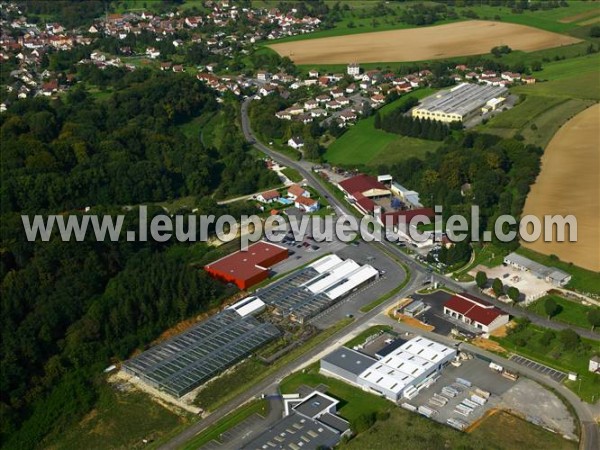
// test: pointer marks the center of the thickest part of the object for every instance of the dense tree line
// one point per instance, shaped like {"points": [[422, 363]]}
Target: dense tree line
{"points": [[500, 172], [398, 122]]}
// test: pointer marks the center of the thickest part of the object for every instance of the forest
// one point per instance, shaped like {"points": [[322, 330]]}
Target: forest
{"points": [[499, 172], [69, 309]]}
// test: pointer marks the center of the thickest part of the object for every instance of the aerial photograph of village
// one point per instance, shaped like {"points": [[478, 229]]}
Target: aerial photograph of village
{"points": [[300, 224]]}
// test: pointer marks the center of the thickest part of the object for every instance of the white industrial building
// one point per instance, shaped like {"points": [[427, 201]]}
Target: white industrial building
{"points": [[551, 274], [338, 277], [311, 290], [459, 103], [402, 373], [248, 306]]}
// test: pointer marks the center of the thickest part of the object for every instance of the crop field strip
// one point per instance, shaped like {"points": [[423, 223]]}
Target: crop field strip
{"points": [[472, 37]]}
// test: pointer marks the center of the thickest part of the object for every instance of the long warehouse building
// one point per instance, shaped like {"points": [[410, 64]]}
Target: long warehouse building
{"points": [[186, 361], [459, 103], [399, 374], [309, 291]]}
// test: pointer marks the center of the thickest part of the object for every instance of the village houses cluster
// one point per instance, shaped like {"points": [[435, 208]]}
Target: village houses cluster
{"points": [[28, 42]]}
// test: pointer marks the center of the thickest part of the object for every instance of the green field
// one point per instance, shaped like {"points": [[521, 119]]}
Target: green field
{"points": [[571, 312], [404, 429], [527, 341], [239, 415], [363, 144], [104, 426], [537, 118], [571, 88], [584, 281], [293, 174]]}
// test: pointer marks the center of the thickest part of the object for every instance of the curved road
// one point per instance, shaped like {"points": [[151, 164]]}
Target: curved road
{"points": [[305, 169], [589, 435]]}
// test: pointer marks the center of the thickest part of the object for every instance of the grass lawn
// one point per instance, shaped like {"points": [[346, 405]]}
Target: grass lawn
{"points": [[537, 118], [485, 254], [364, 144], [354, 401], [104, 426], [226, 387], [293, 174], [528, 342], [570, 311], [362, 337], [549, 104], [404, 429], [584, 281], [228, 422]]}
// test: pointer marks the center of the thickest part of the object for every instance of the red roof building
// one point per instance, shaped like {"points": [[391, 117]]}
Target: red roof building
{"points": [[363, 184], [475, 312], [249, 267]]}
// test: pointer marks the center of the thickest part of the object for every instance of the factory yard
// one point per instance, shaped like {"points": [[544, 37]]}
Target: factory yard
{"points": [[523, 397], [529, 285], [472, 37], [570, 165]]}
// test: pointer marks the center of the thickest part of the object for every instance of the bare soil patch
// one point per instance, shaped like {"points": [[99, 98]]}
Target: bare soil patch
{"points": [[569, 184], [473, 37]]}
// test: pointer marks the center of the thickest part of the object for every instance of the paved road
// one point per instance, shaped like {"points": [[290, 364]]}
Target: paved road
{"points": [[269, 384], [305, 170], [419, 273]]}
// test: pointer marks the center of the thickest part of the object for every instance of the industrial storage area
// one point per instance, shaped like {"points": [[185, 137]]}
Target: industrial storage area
{"points": [[185, 362], [442, 383]]}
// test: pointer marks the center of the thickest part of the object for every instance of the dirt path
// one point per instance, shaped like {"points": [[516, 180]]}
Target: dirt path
{"points": [[473, 37], [569, 183]]}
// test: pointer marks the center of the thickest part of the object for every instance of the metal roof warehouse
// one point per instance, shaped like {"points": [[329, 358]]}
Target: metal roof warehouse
{"points": [[307, 292], [189, 359]]}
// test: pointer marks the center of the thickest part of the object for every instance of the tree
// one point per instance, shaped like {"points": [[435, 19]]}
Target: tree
{"points": [[569, 338], [595, 31], [593, 317], [536, 66], [481, 279], [377, 120], [551, 307], [497, 287], [547, 337], [513, 293]]}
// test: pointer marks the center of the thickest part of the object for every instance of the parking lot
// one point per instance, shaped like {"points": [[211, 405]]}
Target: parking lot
{"points": [[557, 375], [303, 252], [435, 316], [391, 276]]}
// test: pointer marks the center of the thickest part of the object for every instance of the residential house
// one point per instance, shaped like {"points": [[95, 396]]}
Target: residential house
{"points": [[306, 204], [296, 142], [268, 197], [295, 191], [353, 69]]}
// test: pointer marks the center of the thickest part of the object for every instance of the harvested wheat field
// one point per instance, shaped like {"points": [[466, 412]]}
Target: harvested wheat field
{"points": [[473, 37], [569, 183]]}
